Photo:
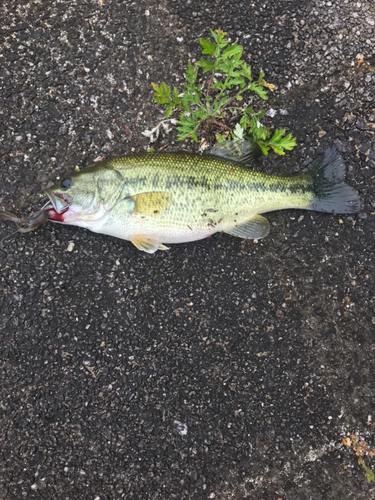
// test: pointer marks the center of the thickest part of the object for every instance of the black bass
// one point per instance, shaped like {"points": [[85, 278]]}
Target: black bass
{"points": [[153, 199]]}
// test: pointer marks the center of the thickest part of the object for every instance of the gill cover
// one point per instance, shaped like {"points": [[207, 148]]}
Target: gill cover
{"points": [[86, 195]]}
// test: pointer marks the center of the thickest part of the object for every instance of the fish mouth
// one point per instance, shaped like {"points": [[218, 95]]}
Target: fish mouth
{"points": [[57, 202]]}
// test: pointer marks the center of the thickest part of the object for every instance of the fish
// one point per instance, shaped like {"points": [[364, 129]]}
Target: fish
{"points": [[158, 198]]}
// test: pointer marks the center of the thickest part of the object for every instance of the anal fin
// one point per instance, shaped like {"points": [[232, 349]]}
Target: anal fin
{"points": [[256, 228], [147, 243]]}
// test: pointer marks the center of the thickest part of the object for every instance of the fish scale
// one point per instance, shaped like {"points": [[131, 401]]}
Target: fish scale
{"points": [[165, 197], [205, 182]]}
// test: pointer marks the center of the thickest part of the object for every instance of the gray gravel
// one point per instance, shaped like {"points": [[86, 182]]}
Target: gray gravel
{"points": [[223, 368]]}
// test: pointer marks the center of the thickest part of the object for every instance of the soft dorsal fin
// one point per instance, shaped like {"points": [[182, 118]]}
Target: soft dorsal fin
{"points": [[239, 150]]}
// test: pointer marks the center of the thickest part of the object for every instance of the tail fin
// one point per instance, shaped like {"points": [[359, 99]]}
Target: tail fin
{"points": [[332, 194]]}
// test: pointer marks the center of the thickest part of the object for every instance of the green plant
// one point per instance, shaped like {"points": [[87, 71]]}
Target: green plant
{"points": [[216, 101], [361, 449]]}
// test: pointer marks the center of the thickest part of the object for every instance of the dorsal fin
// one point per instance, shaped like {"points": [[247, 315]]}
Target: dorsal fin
{"points": [[241, 150]]}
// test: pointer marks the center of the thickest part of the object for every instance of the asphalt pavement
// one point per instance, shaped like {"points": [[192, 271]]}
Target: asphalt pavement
{"points": [[222, 369]]}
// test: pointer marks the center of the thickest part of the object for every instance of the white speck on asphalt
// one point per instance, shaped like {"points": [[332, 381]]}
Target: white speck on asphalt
{"points": [[180, 428]]}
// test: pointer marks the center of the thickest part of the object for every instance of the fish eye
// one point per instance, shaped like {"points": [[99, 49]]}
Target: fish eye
{"points": [[66, 183]]}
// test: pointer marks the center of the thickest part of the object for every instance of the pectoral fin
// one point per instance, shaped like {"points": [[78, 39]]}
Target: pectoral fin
{"points": [[255, 229], [151, 203], [147, 244]]}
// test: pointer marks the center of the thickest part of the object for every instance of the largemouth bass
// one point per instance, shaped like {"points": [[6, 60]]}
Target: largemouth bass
{"points": [[153, 199]]}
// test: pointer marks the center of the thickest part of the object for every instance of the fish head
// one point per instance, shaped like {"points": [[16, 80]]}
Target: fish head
{"points": [[84, 197]]}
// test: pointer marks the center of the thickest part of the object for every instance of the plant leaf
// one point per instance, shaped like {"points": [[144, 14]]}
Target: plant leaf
{"points": [[205, 65], [246, 71], [234, 51], [191, 73], [162, 93], [238, 132], [223, 101], [176, 99], [169, 110], [278, 149], [218, 85], [235, 81], [259, 90], [220, 139], [207, 46], [288, 142]]}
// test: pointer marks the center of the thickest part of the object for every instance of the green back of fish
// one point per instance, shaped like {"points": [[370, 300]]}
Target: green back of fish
{"points": [[202, 182]]}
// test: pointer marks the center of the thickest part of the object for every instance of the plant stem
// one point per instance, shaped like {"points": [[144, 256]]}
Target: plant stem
{"points": [[234, 97], [220, 124]]}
